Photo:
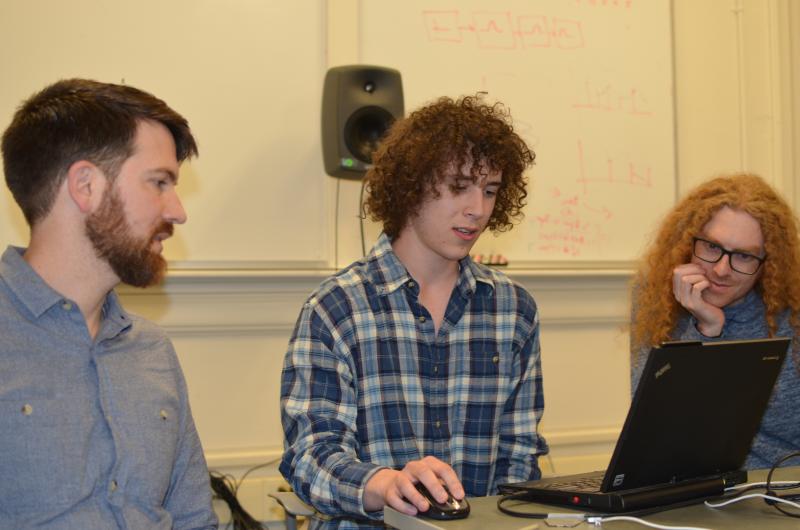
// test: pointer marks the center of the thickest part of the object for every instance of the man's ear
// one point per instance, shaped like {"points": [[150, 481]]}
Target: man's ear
{"points": [[85, 184]]}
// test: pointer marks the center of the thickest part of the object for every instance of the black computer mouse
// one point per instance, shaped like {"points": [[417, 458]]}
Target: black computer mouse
{"points": [[450, 509]]}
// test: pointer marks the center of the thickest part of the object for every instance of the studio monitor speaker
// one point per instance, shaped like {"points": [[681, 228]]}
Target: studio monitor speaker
{"points": [[359, 104]]}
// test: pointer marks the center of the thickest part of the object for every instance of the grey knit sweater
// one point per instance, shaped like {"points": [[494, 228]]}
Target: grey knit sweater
{"points": [[779, 433]]}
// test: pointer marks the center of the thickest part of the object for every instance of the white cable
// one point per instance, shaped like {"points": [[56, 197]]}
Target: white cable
{"points": [[598, 521], [762, 484], [752, 496]]}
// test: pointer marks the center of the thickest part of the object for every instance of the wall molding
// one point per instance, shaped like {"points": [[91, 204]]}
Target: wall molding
{"points": [[259, 279], [263, 302], [566, 447]]}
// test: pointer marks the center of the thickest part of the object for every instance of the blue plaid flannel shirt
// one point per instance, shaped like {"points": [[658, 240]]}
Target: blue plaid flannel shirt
{"points": [[368, 384]]}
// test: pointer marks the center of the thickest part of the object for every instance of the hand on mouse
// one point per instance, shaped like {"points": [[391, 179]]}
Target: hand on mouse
{"points": [[389, 487]]}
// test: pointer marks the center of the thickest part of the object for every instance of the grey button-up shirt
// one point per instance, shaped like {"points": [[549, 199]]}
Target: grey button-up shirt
{"points": [[94, 433]]}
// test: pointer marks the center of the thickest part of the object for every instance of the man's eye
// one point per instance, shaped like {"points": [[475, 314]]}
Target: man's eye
{"points": [[161, 184]]}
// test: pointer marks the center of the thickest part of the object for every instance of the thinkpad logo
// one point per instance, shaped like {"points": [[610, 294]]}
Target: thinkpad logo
{"points": [[661, 371]]}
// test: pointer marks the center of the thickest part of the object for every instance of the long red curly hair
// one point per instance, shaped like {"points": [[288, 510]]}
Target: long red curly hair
{"points": [[657, 311]]}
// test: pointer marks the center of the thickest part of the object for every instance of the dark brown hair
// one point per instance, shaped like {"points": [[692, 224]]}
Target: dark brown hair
{"points": [[414, 157], [73, 120]]}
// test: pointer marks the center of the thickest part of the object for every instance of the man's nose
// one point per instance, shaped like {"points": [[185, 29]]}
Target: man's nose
{"points": [[173, 210], [476, 203], [723, 266]]}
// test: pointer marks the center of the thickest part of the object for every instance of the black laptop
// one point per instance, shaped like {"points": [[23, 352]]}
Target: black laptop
{"points": [[688, 431]]}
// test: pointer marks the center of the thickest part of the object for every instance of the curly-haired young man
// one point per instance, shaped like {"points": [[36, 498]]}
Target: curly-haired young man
{"points": [[416, 364], [725, 265]]}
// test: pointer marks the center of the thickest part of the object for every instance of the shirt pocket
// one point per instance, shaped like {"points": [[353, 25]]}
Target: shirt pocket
{"points": [[482, 388], [151, 438], [42, 439]]}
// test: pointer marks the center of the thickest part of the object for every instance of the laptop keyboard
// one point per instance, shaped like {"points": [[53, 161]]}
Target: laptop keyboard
{"points": [[585, 485]]}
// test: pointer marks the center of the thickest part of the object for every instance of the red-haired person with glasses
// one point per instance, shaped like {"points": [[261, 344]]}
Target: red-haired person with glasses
{"points": [[725, 265]]}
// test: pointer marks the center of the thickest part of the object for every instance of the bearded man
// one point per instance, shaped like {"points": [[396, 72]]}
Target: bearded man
{"points": [[96, 430]]}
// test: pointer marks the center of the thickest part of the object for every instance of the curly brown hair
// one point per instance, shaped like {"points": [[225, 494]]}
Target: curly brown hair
{"points": [[414, 157], [779, 284]]}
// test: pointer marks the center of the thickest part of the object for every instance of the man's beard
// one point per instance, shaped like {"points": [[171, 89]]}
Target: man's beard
{"points": [[130, 257]]}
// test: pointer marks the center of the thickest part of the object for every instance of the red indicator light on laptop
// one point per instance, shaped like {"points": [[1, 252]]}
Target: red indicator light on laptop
{"points": [[576, 499]]}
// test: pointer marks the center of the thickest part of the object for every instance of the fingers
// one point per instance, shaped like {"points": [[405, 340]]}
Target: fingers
{"points": [[397, 489], [389, 487], [688, 284], [432, 472], [405, 498], [693, 296], [448, 475], [689, 292]]}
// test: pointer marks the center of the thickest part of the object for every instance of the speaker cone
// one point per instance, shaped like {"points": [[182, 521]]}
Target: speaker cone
{"points": [[364, 129]]}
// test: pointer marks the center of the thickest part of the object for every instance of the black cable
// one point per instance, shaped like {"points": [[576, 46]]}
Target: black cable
{"points": [[361, 216], [224, 488], [771, 489], [259, 466], [521, 496], [336, 228]]}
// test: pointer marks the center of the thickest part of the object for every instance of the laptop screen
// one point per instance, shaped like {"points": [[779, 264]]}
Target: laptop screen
{"points": [[695, 411]]}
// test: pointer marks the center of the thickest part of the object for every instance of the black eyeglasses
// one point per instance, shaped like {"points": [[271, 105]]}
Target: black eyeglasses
{"points": [[739, 261]]}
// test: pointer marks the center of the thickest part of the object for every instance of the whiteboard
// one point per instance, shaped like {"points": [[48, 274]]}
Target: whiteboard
{"points": [[248, 77], [590, 87]]}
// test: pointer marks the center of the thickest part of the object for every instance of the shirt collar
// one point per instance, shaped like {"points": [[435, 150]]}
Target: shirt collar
{"points": [[37, 296], [389, 274], [115, 318], [475, 274], [27, 286]]}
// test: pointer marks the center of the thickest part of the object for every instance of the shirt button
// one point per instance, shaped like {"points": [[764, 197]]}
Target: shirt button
{"points": [[27, 409], [66, 306], [113, 486], [496, 359], [436, 369], [411, 285], [422, 319], [163, 414], [438, 424]]}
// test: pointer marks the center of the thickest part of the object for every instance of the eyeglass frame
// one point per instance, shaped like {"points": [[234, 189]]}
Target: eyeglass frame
{"points": [[725, 252]]}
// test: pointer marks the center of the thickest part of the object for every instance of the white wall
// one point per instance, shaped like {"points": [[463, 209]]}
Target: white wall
{"points": [[735, 110], [734, 101]]}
